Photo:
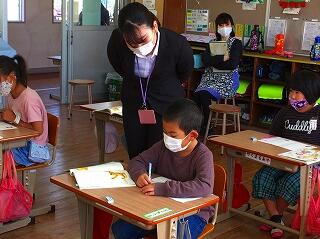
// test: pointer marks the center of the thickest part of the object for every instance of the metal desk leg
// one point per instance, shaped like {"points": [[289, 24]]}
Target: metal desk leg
{"points": [[167, 229], [100, 125], [230, 179], [86, 219], [305, 184]]}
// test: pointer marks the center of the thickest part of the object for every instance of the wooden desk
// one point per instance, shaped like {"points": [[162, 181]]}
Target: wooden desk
{"points": [[14, 138], [102, 116], [56, 60], [239, 145], [131, 205]]}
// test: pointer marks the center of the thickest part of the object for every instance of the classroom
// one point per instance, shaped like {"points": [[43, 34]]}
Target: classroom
{"points": [[128, 119]]}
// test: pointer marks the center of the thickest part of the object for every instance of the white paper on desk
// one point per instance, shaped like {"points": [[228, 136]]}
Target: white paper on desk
{"points": [[111, 166], [183, 200], [97, 179], [286, 143], [305, 155], [6, 126]]}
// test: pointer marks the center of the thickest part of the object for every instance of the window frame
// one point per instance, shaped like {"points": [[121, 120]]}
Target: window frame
{"points": [[22, 11], [53, 20]]}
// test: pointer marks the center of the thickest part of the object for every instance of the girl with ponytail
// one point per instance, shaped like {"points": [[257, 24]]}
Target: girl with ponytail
{"points": [[24, 109]]}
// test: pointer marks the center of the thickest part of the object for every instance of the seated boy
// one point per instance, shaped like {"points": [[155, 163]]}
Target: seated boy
{"points": [[179, 157], [298, 121]]}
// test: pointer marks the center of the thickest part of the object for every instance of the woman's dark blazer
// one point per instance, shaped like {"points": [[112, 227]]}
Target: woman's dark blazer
{"points": [[174, 64]]}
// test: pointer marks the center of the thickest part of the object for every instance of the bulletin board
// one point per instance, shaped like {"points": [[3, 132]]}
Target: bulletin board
{"points": [[216, 7], [296, 23]]}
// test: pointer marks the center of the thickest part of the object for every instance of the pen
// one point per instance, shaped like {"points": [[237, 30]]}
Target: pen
{"points": [[150, 167]]}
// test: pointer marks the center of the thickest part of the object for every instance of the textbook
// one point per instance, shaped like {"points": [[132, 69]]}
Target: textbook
{"points": [[305, 155], [108, 175], [99, 168], [218, 48], [115, 110]]}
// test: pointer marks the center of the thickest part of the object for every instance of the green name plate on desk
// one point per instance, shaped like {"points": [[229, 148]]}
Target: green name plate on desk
{"points": [[157, 213]]}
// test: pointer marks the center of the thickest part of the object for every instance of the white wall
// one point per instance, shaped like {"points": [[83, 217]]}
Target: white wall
{"points": [[38, 37]]}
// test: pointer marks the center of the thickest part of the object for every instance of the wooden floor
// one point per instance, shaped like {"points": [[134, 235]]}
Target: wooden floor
{"points": [[78, 147]]}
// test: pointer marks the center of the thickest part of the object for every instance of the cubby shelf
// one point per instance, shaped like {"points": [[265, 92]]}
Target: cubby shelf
{"points": [[270, 104], [257, 107], [268, 81]]}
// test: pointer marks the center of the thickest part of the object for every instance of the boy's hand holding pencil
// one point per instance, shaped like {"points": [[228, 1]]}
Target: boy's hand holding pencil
{"points": [[143, 180]]}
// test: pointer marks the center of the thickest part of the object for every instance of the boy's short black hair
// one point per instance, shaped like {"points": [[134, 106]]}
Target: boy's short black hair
{"points": [[186, 113], [307, 82]]}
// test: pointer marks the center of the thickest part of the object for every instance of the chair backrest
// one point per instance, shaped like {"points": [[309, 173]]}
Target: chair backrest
{"points": [[220, 179], [53, 126]]}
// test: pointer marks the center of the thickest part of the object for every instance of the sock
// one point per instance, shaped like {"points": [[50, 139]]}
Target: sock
{"points": [[276, 218]]}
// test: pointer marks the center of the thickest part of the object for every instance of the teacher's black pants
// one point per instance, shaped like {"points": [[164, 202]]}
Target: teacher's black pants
{"points": [[140, 137]]}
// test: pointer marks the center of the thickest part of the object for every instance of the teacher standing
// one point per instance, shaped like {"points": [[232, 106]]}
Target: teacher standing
{"points": [[153, 63]]}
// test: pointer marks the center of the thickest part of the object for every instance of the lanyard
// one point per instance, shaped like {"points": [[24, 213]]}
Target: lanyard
{"points": [[144, 92]]}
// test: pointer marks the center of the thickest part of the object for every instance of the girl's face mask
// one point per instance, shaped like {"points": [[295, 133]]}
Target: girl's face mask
{"points": [[173, 144], [5, 88], [225, 31], [298, 104]]}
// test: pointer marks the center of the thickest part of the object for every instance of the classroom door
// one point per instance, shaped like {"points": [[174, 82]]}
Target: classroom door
{"points": [[3, 20], [174, 14], [89, 24]]}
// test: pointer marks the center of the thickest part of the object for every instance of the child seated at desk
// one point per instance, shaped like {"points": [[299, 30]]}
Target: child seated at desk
{"points": [[298, 121], [25, 109], [179, 157]]}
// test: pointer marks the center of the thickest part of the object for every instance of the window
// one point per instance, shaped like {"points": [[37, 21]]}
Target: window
{"points": [[109, 11], [56, 13], [15, 10]]}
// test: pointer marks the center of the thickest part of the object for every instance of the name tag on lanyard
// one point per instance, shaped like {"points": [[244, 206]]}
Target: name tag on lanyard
{"points": [[146, 116]]}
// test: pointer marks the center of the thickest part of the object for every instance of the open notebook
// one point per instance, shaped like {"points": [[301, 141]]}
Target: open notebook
{"points": [[108, 175], [116, 110]]}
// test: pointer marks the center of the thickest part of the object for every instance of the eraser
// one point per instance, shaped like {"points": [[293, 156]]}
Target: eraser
{"points": [[254, 139], [109, 199]]}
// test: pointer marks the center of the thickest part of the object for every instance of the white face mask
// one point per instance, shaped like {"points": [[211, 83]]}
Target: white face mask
{"points": [[225, 31], [142, 50], [173, 144], [5, 88]]}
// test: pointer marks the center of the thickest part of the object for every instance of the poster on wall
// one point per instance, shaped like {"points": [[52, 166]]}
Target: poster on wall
{"points": [[275, 26], [310, 31], [197, 20], [252, 1], [150, 4]]}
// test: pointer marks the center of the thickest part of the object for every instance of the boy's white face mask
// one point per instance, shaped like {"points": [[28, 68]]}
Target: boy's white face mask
{"points": [[173, 144]]}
